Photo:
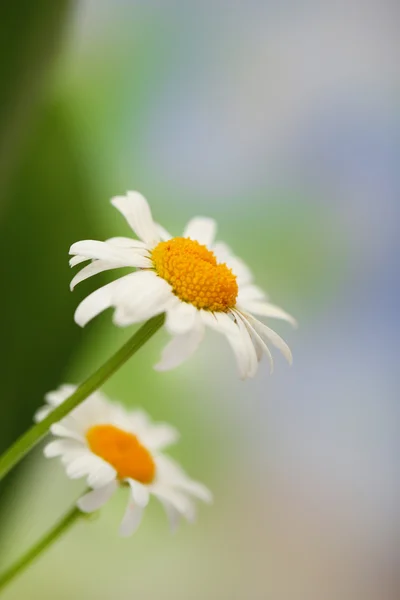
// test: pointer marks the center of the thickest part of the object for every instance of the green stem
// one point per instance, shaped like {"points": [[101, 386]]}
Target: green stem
{"points": [[28, 440], [69, 518]]}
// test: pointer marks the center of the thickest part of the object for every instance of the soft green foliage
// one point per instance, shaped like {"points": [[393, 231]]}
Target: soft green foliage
{"points": [[30, 35], [43, 190]]}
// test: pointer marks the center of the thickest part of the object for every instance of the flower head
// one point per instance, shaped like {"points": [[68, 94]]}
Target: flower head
{"points": [[196, 281], [112, 447]]}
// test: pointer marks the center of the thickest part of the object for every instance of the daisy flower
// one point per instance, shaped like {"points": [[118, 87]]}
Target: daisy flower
{"points": [[195, 280], [113, 447]]}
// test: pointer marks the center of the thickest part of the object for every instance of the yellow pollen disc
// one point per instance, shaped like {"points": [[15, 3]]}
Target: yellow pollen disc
{"points": [[195, 275], [123, 451]]}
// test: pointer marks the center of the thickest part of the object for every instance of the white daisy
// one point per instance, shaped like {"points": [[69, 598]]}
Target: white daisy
{"points": [[196, 281], [113, 447]]}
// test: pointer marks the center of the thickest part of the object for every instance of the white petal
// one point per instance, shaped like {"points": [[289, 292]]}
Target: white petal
{"points": [[139, 421], [124, 242], [95, 267], [177, 499], [58, 396], [131, 520], [172, 475], [95, 499], [225, 255], [81, 465], [266, 309], [69, 457], [272, 336], [238, 338], [159, 436], [61, 430], [163, 233], [54, 399], [194, 488], [243, 350], [136, 211], [252, 358], [250, 292], [260, 346], [219, 321], [96, 302], [142, 296], [42, 413], [180, 348], [124, 257], [95, 410], [59, 447], [101, 473], [98, 266], [173, 515], [77, 260], [140, 493], [236, 343], [181, 318], [201, 229]]}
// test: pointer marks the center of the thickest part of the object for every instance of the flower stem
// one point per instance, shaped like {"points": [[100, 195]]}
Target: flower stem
{"points": [[30, 438], [69, 518]]}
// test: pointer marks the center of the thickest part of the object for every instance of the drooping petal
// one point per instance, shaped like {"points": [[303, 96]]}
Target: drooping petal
{"points": [[136, 210], [238, 338], [131, 519], [244, 351], [265, 309], [95, 499], [219, 321], [142, 296], [181, 318], [180, 348], [259, 344], [250, 351], [270, 335], [201, 229], [236, 343]]}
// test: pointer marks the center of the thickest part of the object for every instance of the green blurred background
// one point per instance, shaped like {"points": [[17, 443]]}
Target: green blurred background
{"points": [[278, 120]]}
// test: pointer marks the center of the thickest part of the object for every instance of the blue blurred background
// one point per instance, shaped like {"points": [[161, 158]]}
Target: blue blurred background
{"points": [[280, 120]]}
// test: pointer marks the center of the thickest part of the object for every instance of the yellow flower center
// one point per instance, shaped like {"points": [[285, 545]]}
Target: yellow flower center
{"points": [[195, 275], [123, 451]]}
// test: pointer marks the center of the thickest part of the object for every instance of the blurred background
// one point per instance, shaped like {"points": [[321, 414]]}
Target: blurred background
{"points": [[279, 120]]}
